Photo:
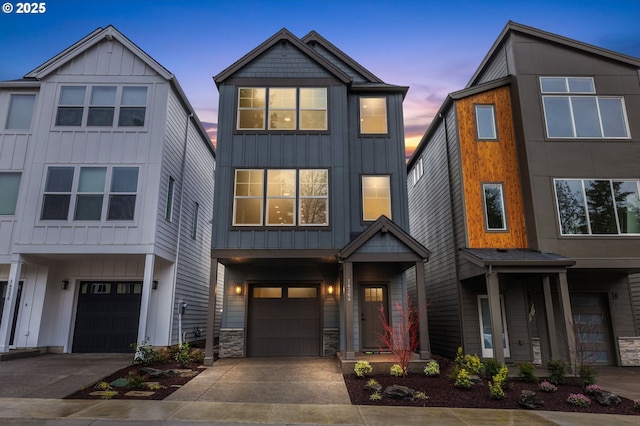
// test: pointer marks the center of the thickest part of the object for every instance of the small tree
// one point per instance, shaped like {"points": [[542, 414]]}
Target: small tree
{"points": [[401, 339]]}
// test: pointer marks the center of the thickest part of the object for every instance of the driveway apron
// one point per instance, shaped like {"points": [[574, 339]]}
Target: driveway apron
{"points": [[268, 380]]}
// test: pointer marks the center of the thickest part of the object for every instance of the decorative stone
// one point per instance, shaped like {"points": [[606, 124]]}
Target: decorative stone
{"points": [[529, 400], [152, 372], [376, 387], [139, 393], [155, 373], [399, 392], [120, 383], [475, 378], [607, 398]]}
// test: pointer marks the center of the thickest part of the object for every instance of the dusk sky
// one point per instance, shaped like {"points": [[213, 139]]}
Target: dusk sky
{"points": [[431, 46]]}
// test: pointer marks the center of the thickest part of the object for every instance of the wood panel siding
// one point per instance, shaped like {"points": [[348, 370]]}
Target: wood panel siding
{"points": [[490, 162]]}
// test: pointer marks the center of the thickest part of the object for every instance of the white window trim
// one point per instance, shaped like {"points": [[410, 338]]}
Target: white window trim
{"points": [[33, 113], [488, 352]]}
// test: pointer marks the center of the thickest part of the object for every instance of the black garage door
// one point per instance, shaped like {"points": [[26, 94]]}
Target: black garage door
{"points": [[284, 320], [107, 316]]}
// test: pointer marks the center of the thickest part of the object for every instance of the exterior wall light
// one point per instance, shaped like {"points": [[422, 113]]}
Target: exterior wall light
{"points": [[64, 284], [239, 289], [330, 290], [154, 284]]}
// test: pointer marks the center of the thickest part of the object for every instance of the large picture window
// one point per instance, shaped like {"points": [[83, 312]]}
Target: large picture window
{"points": [[494, 211], [572, 110], [282, 108], [598, 207], [292, 197], [376, 197], [373, 115]]}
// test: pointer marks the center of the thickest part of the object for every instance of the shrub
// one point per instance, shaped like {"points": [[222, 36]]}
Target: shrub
{"points": [[182, 354], [397, 371], [491, 367], [162, 355], [587, 374], [376, 396], [420, 395], [103, 386], [527, 372], [462, 380], [557, 371], [547, 386], [592, 389], [471, 363], [496, 389], [135, 380], [155, 387], [636, 404], [144, 353], [579, 400], [362, 367], [432, 368], [109, 394], [197, 355], [372, 382]]}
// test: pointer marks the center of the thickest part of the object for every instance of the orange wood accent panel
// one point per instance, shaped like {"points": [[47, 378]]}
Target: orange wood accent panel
{"points": [[490, 162]]}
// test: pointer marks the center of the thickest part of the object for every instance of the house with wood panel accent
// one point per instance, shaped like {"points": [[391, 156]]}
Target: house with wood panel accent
{"points": [[526, 189], [106, 193], [311, 220]]}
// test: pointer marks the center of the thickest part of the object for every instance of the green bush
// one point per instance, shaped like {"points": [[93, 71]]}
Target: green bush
{"points": [[182, 354], [362, 367], [463, 380], [432, 368], [491, 367], [396, 370], [471, 363], [144, 352], [496, 388], [557, 371], [587, 374], [376, 396], [135, 380], [527, 372]]}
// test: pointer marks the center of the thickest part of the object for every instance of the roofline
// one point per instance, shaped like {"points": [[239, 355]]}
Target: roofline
{"points": [[191, 110], [554, 38], [386, 88], [283, 34], [18, 84]]}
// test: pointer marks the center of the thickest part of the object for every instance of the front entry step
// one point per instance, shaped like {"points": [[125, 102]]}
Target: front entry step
{"points": [[20, 353]]}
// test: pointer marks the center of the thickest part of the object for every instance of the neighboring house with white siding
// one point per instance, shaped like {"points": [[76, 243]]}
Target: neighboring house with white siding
{"points": [[106, 196]]}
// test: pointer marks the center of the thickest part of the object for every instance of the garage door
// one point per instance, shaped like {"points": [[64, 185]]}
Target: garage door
{"points": [[107, 316], [284, 320]]}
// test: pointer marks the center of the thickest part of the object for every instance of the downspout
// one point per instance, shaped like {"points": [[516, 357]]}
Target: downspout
{"points": [[175, 269]]}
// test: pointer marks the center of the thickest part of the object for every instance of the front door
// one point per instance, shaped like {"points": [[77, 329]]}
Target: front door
{"points": [[4, 285], [591, 325], [372, 297]]}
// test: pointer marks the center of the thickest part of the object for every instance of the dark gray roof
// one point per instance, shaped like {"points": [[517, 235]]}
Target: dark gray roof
{"points": [[515, 257]]}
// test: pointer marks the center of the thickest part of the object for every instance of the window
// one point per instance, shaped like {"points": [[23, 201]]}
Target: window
{"points": [[418, 171], [293, 197], [89, 194], [486, 337], [494, 212], [194, 226], [9, 187], [286, 109], [373, 115], [376, 197], [598, 207], [485, 122], [102, 106], [581, 114], [168, 213], [20, 112]]}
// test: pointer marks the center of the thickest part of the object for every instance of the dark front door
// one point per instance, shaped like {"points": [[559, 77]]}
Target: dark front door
{"points": [[284, 320], [372, 297], [107, 316], [591, 325], [4, 285]]}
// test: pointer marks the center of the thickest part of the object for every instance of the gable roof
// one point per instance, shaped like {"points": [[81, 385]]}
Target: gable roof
{"points": [[283, 35], [384, 225], [513, 27]]}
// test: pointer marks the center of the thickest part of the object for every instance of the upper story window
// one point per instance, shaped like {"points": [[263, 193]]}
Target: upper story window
{"points": [[282, 108], [418, 171], [293, 197], [485, 122], [101, 104], [495, 218], [572, 110], [97, 192], [20, 111], [9, 187], [598, 206], [373, 115], [376, 197]]}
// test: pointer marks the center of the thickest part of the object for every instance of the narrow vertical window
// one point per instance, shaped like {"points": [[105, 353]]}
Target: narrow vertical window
{"points": [[248, 197], [485, 327], [133, 106], [494, 212], [57, 193], [282, 109], [373, 115], [20, 112], [168, 213], [376, 197], [313, 109], [485, 122], [314, 197], [281, 197], [101, 106], [71, 106], [194, 226], [90, 193], [9, 187], [251, 108], [122, 196]]}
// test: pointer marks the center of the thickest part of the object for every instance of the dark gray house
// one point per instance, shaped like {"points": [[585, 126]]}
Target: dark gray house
{"points": [[526, 189], [310, 219]]}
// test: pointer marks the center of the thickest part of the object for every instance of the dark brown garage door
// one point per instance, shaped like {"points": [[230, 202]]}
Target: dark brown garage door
{"points": [[107, 316], [284, 320]]}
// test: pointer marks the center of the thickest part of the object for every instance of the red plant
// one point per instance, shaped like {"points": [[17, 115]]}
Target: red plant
{"points": [[401, 339]]}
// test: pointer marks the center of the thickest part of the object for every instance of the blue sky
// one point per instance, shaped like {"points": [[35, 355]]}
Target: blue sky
{"points": [[431, 46]]}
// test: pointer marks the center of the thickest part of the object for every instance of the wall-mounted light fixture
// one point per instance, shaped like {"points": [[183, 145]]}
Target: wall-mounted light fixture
{"points": [[330, 290], [239, 289], [154, 284], [64, 284]]}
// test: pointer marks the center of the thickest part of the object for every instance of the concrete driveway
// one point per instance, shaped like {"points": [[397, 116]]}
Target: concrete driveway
{"points": [[56, 375], [268, 380]]}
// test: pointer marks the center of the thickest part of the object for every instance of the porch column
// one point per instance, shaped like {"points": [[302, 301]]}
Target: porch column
{"points": [[551, 318], [565, 304], [493, 293], [347, 280], [147, 283], [9, 305], [211, 313], [425, 345]]}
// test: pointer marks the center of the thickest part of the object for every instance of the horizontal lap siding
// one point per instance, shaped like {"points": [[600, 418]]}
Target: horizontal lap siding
{"points": [[634, 287]]}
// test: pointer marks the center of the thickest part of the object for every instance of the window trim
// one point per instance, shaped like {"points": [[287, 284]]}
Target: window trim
{"points": [[505, 226], [386, 115], [363, 177], [195, 223], [494, 124], [418, 171]]}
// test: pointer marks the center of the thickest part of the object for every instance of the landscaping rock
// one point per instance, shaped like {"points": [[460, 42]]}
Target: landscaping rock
{"points": [[376, 387], [529, 400], [152, 372], [475, 378], [607, 398], [399, 392]]}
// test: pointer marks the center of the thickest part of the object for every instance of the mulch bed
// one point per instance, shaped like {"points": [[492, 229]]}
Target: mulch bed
{"points": [[442, 393], [170, 384]]}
